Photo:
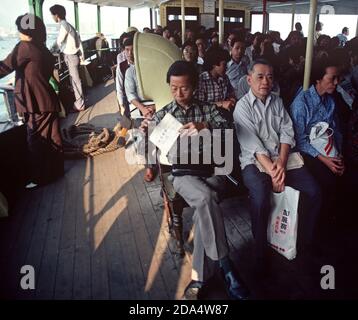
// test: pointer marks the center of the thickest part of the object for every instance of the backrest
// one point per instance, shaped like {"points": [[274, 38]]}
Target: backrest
{"points": [[153, 56]]}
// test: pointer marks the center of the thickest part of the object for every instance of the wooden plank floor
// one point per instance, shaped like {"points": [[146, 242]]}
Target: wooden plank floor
{"points": [[100, 233]]}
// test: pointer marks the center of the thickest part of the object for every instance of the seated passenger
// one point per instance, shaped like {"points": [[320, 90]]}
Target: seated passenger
{"points": [[237, 66], [191, 54], [243, 88], [133, 95], [214, 85], [310, 107], [266, 137], [201, 45], [210, 243], [122, 67]]}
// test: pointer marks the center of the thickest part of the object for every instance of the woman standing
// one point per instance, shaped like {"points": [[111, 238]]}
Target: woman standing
{"points": [[36, 99]]}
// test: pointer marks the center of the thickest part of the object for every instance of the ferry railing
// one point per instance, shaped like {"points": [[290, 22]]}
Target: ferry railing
{"points": [[7, 99]]}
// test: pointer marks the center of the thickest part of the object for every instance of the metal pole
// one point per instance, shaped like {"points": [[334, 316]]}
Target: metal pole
{"points": [[264, 16], [182, 21], [77, 17], [31, 6], [309, 50], [155, 18], [98, 18], [129, 17], [221, 21], [151, 17], [293, 15], [36, 7]]}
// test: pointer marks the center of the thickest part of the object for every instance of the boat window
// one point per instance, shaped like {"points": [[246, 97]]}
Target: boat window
{"points": [[112, 26], [334, 23], [173, 17], [231, 19], [140, 18], [88, 20], [256, 22]]}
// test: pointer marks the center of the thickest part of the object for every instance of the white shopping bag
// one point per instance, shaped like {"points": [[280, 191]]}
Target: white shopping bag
{"points": [[321, 138], [282, 223]]}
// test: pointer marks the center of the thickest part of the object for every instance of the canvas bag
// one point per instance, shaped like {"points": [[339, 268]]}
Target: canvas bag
{"points": [[282, 223], [321, 138]]}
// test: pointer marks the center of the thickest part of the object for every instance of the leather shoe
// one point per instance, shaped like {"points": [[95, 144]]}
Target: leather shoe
{"points": [[235, 287], [193, 291]]}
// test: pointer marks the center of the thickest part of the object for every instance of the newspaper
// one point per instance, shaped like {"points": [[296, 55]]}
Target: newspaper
{"points": [[165, 134]]}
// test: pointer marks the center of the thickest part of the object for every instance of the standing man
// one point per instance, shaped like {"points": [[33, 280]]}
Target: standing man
{"points": [[69, 42]]}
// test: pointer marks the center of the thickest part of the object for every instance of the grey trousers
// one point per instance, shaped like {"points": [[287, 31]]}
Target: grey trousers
{"points": [[209, 235], [73, 61]]}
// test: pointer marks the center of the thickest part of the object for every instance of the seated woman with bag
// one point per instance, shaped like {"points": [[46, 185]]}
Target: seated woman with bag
{"points": [[311, 111]]}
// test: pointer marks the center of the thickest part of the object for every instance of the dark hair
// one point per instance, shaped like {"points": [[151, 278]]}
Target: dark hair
{"points": [[35, 30], [259, 61], [345, 29], [318, 26], [59, 10], [237, 39], [189, 43], [213, 56], [298, 26], [128, 42], [184, 68], [319, 66]]}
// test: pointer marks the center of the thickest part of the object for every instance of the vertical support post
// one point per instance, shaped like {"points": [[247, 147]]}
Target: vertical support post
{"points": [[293, 15], [129, 17], [309, 49], [155, 18], [31, 6], [77, 17], [151, 17], [182, 21], [264, 16], [36, 7], [98, 18], [221, 21]]}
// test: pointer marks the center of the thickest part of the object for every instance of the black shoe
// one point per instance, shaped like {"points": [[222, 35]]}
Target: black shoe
{"points": [[193, 291], [235, 287]]}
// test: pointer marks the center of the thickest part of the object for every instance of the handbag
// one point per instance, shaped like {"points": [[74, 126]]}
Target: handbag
{"points": [[321, 138]]}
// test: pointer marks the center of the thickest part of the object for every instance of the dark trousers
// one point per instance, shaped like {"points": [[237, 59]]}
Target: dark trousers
{"points": [[328, 183], [260, 190], [338, 193], [46, 162]]}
